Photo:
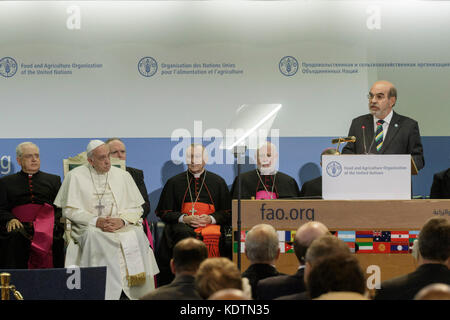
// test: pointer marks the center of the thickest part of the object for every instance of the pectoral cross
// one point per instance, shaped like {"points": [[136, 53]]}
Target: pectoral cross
{"points": [[100, 208], [192, 211]]}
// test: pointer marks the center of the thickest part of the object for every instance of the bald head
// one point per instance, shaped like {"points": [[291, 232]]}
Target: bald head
{"points": [[435, 291], [305, 235]]}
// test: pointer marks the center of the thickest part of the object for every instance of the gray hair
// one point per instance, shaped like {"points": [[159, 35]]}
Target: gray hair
{"points": [[19, 148], [261, 243]]}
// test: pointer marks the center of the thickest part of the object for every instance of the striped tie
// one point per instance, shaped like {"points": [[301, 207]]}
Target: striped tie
{"points": [[379, 135]]}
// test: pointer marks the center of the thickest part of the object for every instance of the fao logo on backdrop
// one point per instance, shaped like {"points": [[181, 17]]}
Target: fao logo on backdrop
{"points": [[147, 66], [334, 169], [8, 67], [288, 66]]}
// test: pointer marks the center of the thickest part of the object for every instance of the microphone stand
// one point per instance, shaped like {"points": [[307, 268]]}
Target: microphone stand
{"points": [[239, 152]]}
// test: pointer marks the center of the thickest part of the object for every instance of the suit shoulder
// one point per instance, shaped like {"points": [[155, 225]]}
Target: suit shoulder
{"points": [[51, 176], [286, 176], [132, 170]]}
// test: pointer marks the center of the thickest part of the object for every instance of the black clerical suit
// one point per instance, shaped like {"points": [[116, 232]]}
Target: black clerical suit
{"points": [[173, 196], [138, 177], [312, 189], [440, 189], [20, 189], [284, 187], [403, 137]]}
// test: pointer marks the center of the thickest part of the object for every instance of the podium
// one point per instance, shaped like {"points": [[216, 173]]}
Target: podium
{"points": [[403, 219], [367, 177]]}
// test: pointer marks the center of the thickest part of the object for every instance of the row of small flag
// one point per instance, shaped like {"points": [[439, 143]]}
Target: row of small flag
{"points": [[357, 241]]}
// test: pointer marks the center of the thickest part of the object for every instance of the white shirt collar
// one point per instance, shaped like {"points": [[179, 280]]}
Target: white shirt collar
{"points": [[387, 119]]}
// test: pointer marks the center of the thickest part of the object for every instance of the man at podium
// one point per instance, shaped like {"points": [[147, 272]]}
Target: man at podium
{"points": [[384, 131], [266, 182]]}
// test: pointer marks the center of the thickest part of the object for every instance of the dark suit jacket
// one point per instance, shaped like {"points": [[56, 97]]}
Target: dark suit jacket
{"points": [[259, 271], [295, 296], [274, 287], [403, 137], [440, 188], [407, 286], [138, 177], [181, 288], [312, 188]]}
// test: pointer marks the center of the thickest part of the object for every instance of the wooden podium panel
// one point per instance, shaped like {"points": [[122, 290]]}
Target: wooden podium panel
{"points": [[386, 215]]}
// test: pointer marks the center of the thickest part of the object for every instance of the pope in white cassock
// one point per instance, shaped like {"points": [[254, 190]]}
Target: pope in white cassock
{"points": [[103, 204]]}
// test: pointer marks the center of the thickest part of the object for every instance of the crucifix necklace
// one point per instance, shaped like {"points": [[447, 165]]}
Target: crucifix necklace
{"points": [[100, 206], [192, 211], [264, 185]]}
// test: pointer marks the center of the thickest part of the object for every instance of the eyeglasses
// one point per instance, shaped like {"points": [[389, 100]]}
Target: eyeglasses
{"points": [[379, 96]]}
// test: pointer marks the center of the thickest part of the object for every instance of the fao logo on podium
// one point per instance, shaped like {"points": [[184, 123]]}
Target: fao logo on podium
{"points": [[147, 66], [8, 67], [288, 66], [334, 169]]}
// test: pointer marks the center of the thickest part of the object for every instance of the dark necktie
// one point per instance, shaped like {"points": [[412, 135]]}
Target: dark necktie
{"points": [[379, 135]]}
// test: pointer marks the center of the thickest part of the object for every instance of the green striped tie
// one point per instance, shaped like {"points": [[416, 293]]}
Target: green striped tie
{"points": [[379, 135]]}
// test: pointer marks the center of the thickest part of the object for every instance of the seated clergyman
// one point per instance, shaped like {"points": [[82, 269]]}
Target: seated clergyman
{"points": [[104, 206]]}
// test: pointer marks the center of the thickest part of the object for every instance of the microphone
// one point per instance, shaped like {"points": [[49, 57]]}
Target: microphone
{"points": [[346, 139], [373, 140], [364, 138]]}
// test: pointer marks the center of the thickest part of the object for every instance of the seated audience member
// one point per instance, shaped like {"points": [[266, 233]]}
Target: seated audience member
{"points": [[273, 287], [440, 189], [266, 182], [188, 254], [313, 188], [215, 274], [433, 253], [435, 291], [262, 250], [336, 277], [30, 228], [321, 247]]}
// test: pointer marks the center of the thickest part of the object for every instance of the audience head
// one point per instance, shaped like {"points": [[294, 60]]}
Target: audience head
{"points": [[117, 148], [305, 235], [188, 254], [215, 274], [27, 156], [229, 294], [262, 244], [323, 247], [435, 291], [336, 273], [434, 241]]}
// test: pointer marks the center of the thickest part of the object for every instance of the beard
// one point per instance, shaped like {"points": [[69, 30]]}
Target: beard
{"points": [[267, 171]]}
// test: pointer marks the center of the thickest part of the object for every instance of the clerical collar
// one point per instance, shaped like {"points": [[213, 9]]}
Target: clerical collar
{"points": [[29, 174], [197, 175]]}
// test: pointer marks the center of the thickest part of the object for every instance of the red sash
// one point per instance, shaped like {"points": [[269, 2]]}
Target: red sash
{"points": [[210, 233], [43, 218]]}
